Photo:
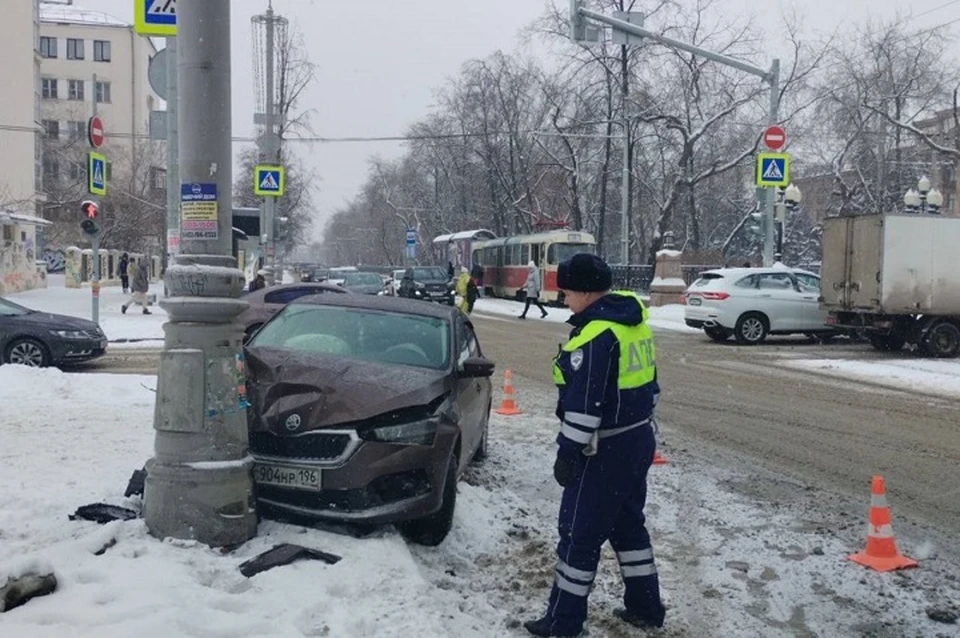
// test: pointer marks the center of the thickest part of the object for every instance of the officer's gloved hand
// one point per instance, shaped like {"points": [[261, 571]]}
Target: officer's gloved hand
{"points": [[566, 469]]}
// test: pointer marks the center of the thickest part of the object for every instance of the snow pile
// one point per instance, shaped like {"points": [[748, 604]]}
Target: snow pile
{"points": [[663, 318], [921, 375], [135, 328]]}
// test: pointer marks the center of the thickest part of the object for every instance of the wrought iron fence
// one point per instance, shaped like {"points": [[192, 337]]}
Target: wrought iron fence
{"points": [[639, 277]]}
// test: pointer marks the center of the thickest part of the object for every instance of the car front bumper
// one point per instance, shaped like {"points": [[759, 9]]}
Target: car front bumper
{"points": [[77, 350], [377, 483]]}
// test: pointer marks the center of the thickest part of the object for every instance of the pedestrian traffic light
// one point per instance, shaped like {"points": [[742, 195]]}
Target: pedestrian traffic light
{"points": [[90, 212], [755, 226]]}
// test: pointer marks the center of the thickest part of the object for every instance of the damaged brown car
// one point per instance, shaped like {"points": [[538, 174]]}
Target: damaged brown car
{"points": [[366, 409]]}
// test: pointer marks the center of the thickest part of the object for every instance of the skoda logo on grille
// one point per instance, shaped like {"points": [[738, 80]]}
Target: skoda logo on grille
{"points": [[293, 422]]}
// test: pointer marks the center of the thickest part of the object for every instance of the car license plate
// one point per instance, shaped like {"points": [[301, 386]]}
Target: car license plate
{"points": [[694, 301], [299, 478]]}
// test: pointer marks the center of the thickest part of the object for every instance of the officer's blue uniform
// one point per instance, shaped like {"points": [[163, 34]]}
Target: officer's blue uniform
{"points": [[608, 386]]}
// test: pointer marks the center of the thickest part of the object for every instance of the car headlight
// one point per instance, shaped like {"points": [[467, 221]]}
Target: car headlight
{"points": [[71, 334], [418, 292], [413, 433]]}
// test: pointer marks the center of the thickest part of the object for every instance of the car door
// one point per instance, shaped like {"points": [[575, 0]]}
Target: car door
{"points": [[815, 317], [470, 392], [779, 298]]}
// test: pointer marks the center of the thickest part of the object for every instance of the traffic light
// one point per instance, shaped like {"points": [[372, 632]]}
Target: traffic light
{"points": [[578, 24], [90, 212], [756, 224]]}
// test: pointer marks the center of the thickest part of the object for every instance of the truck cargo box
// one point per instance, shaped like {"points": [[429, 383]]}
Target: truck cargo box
{"points": [[897, 264]]}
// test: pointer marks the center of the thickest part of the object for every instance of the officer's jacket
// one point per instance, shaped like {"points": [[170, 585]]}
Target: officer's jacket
{"points": [[606, 372]]}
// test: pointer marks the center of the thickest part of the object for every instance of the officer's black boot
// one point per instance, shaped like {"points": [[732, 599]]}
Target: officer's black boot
{"points": [[541, 627]]}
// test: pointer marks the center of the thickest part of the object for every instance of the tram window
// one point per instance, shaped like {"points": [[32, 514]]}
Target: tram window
{"points": [[525, 254], [561, 252]]}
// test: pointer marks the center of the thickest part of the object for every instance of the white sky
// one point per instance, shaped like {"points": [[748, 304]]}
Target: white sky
{"points": [[379, 61]]}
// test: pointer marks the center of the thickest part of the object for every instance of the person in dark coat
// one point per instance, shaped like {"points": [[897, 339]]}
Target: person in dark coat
{"points": [[141, 284], [607, 380], [122, 271]]}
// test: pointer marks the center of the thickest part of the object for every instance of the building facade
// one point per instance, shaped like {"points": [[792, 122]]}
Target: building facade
{"points": [[90, 60]]}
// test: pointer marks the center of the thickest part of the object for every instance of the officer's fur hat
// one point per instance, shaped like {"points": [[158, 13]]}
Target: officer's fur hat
{"points": [[584, 273]]}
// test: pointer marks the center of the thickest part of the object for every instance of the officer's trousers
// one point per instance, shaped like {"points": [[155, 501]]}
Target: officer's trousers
{"points": [[607, 503]]}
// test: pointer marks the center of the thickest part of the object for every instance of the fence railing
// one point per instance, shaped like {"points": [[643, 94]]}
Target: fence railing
{"points": [[639, 277]]}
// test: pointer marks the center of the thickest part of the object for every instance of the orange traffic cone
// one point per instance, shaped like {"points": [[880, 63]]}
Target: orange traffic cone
{"points": [[658, 459], [881, 553], [508, 406]]}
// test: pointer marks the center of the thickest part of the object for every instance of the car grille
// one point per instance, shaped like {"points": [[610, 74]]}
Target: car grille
{"points": [[382, 490], [321, 446]]}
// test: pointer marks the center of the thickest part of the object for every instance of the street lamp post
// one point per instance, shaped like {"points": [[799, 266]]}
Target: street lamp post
{"points": [[923, 199], [788, 199]]}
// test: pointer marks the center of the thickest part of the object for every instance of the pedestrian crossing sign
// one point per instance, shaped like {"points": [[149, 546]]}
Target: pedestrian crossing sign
{"points": [[155, 17], [268, 180], [96, 174], [773, 169]]}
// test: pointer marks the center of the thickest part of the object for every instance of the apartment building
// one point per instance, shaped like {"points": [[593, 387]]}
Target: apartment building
{"points": [[19, 161], [89, 59]]}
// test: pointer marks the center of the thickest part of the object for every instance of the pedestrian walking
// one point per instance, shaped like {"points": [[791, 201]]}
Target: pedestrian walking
{"points": [[532, 286], [122, 266], [607, 379], [476, 273], [141, 284]]}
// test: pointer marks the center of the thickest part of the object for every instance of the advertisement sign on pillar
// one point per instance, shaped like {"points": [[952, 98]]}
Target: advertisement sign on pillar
{"points": [[198, 211]]}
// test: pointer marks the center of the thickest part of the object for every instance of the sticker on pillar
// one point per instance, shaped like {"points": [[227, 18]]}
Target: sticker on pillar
{"points": [[198, 212], [241, 377], [268, 180]]}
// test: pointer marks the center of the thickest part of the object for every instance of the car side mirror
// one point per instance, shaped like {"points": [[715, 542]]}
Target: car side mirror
{"points": [[477, 367]]}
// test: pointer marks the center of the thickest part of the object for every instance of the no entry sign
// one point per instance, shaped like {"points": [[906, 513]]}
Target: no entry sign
{"points": [[95, 131], [774, 138]]}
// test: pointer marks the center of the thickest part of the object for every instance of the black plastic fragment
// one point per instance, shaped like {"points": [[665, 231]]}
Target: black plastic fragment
{"points": [[103, 513], [284, 554], [135, 486]]}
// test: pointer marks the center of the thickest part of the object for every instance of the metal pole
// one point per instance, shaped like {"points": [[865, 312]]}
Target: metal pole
{"points": [[270, 203], [95, 280], [199, 482], [625, 190], [173, 155], [773, 117]]}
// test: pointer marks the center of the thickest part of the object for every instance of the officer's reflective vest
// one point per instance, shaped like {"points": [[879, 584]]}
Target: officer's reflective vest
{"points": [[637, 366]]}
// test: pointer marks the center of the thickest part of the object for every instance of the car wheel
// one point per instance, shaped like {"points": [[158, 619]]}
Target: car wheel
{"points": [[27, 352], [717, 333], [887, 343], [942, 341], [482, 450], [751, 328], [431, 530]]}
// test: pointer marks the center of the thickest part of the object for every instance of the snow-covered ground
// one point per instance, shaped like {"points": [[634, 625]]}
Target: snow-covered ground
{"points": [[133, 329], [740, 554], [922, 375], [665, 317]]}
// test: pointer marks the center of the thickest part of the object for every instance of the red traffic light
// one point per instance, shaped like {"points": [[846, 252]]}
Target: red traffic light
{"points": [[90, 209]]}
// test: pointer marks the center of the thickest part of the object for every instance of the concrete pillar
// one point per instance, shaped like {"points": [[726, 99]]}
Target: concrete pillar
{"points": [[72, 267], [668, 285]]}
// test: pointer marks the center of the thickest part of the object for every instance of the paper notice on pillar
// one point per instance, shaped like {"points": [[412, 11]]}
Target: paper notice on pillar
{"points": [[198, 211], [173, 241]]}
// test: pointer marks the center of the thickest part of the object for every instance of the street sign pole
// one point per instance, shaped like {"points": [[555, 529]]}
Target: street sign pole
{"points": [[199, 484], [774, 115], [173, 154], [95, 279]]}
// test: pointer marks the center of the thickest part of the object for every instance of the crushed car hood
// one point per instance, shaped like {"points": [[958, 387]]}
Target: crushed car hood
{"points": [[325, 391]]}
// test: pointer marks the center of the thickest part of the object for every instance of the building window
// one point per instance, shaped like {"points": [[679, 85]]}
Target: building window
{"points": [[75, 90], [101, 50], [48, 47], [77, 130], [48, 88], [74, 49], [51, 169], [103, 92], [51, 129], [158, 177], [7, 232]]}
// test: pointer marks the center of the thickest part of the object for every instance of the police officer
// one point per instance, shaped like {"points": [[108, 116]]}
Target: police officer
{"points": [[607, 378]]}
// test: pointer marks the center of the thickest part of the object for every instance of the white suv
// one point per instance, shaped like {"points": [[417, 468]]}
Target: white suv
{"points": [[751, 303]]}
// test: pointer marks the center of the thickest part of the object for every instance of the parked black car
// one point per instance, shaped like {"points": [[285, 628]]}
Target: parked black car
{"points": [[365, 410], [38, 339], [427, 282]]}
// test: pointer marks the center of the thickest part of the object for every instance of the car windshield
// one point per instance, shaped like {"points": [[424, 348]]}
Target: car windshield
{"points": [[10, 309], [430, 274], [359, 333], [362, 279]]}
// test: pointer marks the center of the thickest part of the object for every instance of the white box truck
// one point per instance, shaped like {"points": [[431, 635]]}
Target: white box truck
{"points": [[894, 278]]}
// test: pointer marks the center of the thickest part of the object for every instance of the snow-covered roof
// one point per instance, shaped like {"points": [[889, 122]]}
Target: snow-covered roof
{"points": [[481, 233], [7, 217], [73, 14]]}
